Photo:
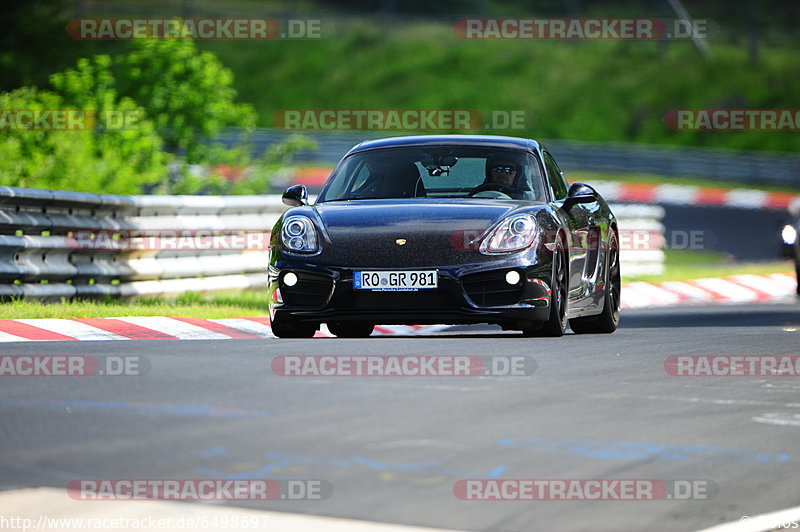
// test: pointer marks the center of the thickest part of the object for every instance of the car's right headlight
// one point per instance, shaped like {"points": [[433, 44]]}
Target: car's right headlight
{"points": [[512, 234], [299, 235]]}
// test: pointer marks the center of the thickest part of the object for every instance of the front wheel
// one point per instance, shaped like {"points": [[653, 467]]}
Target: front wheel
{"points": [[608, 320], [556, 324]]}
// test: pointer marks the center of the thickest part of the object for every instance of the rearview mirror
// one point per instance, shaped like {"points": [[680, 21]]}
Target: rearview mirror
{"points": [[580, 193], [295, 196]]}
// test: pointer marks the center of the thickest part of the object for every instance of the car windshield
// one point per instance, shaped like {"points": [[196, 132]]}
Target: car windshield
{"points": [[436, 172]]}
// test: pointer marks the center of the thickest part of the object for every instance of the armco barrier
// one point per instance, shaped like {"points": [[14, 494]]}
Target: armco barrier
{"points": [[58, 244]]}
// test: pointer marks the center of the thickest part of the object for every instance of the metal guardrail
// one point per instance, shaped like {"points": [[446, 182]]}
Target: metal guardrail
{"points": [[573, 156], [58, 244]]}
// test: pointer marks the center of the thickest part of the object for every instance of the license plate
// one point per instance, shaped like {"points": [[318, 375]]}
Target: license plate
{"points": [[395, 281]]}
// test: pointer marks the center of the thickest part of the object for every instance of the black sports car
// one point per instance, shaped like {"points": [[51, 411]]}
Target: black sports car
{"points": [[445, 229]]}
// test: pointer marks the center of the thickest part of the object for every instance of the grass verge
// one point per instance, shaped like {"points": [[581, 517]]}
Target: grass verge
{"points": [[189, 305], [682, 265]]}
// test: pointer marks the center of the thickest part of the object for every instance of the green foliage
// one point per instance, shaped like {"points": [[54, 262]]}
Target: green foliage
{"points": [[188, 94], [590, 90], [98, 159], [163, 98]]}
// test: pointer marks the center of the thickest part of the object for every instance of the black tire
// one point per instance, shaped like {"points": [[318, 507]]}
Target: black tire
{"points": [[607, 321], [352, 329], [283, 328], [556, 324]]}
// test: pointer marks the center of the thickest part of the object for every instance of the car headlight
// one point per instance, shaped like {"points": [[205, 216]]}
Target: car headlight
{"points": [[789, 235], [298, 235], [512, 234]]}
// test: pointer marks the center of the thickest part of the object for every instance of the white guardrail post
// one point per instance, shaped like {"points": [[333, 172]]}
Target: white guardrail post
{"points": [[57, 244]]}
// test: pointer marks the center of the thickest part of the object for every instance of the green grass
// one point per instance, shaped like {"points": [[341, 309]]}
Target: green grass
{"points": [[682, 265], [592, 90], [190, 305]]}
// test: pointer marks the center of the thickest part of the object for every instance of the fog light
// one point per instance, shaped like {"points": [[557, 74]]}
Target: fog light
{"points": [[290, 279], [512, 277]]}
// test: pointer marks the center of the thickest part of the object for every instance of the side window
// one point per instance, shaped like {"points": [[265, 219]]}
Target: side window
{"points": [[557, 184], [361, 177]]}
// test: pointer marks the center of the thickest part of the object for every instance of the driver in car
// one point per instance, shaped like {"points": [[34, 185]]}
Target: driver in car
{"points": [[503, 180], [502, 172]]}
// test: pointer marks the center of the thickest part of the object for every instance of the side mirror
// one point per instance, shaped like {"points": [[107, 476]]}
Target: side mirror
{"points": [[580, 193], [295, 196]]}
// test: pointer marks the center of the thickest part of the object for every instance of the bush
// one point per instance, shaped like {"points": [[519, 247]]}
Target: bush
{"points": [[100, 159], [188, 94]]}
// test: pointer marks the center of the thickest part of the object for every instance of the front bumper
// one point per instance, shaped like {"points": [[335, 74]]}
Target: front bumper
{"points": [[465, 295]]}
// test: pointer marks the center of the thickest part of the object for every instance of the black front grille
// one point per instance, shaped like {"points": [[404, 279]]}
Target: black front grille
{"points": [[311, 290], [490, 289]]}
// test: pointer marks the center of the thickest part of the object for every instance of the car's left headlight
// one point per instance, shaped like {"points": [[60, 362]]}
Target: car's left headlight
{"points": [[299, 235], [512, 234]]}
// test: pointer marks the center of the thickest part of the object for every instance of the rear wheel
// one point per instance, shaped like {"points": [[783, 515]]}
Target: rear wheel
{"points": [[283, 328], [354, 329], [606, 321], [557, 322]]}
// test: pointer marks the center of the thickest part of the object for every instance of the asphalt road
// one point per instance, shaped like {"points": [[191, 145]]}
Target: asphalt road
{"points": [[596, 407]]}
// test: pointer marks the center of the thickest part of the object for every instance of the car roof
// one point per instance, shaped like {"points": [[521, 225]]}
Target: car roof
{"points": [[493, 141]]}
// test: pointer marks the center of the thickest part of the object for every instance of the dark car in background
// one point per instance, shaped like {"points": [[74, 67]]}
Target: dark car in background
{"points": [[791, 238], [445, 229]]}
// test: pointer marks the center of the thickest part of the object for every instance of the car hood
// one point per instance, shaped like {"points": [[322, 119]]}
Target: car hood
{"points": [[369, 232]]}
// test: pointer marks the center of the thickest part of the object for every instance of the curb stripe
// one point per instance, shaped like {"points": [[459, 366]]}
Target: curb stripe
{"points": [[253, 327], [128, 330], [217, 327], [5, 337], [760, 295], [73, 329], [747, 288], [258, 319], [179, 329], [694, 195], [29, 332]]}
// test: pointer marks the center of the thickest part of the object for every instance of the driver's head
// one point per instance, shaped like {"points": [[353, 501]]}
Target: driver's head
{"points": [[501, 171]]}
